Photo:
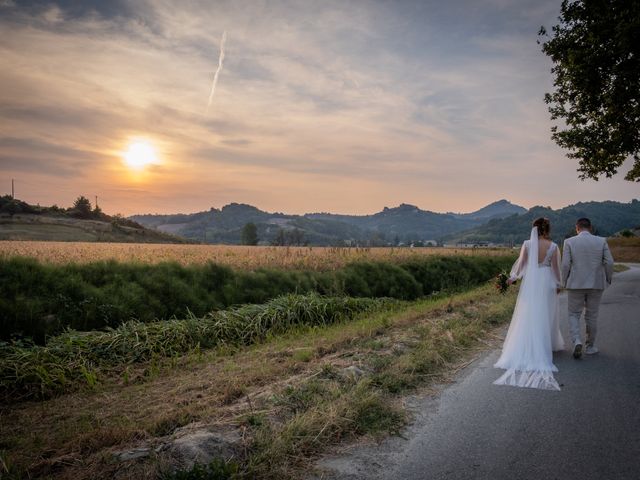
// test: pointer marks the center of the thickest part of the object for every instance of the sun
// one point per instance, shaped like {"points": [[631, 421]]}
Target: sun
{"points": [[139, 155]]}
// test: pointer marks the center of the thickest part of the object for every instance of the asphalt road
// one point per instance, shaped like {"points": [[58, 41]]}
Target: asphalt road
{"points": [[476, 430]]}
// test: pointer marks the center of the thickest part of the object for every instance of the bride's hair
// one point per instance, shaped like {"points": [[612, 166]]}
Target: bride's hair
{"points": [[544, 226]]}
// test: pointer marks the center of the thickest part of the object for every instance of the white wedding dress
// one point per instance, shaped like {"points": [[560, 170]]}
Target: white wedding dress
{"points": [[534, 333]]}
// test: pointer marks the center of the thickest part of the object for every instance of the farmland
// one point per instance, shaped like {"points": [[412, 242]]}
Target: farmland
{"points": [[259, 340], [625, 249], [121, 319], [288, 396], [246, 258]]}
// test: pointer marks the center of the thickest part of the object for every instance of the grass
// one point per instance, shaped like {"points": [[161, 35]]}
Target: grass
{"points": [[620, 268], [215, 470], [289, 405], [73, 358]]}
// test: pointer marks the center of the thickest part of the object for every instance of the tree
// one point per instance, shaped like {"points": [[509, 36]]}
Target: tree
{"points": [[596, 67], [279, 239], [296, 237], [82, 206], [97, 212], [250, 234]]}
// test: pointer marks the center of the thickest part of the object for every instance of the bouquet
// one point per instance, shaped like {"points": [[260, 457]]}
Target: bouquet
{"points": [[502, 282]]}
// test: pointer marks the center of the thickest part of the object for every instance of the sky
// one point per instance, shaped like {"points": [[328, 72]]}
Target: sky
{"points": [[319, 106]]}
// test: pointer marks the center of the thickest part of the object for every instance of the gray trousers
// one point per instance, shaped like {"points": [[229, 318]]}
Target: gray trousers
{"points": [[589, 301]]}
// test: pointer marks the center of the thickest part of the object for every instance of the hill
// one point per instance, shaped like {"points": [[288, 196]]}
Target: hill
{"points": [[608, 218], [22, 221], [225, 226], [500, 209], [402, 224]]}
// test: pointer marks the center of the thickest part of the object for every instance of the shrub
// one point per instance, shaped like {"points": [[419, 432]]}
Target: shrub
{"points": [[38, 300]]}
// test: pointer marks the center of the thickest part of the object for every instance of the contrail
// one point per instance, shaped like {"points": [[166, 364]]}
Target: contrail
{"points": [[220, 60]]}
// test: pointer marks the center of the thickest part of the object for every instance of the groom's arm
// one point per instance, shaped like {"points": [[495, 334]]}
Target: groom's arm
{"points": [[607, 260], [566, 262]]}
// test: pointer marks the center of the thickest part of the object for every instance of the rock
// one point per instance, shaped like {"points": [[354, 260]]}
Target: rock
{"points": [[134, 454], [400, 348], [202, 446], [353, 372]]}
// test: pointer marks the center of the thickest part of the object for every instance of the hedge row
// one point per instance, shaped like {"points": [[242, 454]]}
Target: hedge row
{"points": [[37, 300]]}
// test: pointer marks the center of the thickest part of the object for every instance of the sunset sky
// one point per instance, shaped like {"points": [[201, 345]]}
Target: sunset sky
{"points": [[340, 106]]}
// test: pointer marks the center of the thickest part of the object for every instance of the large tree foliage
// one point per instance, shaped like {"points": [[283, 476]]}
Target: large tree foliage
{"points": [[82, 207], [594, 49]]}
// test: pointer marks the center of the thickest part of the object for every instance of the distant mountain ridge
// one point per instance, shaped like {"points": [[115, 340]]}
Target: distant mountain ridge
{"points": [[500, 222], [499, 209], [402, 224], [606, 217]]}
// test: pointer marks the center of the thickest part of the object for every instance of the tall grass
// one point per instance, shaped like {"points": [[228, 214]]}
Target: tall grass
{"points": [[82, 357], [37, 300]]}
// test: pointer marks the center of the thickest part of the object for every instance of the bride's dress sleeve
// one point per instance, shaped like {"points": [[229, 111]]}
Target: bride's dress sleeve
{"points": [[556, 261], [518, 269]]}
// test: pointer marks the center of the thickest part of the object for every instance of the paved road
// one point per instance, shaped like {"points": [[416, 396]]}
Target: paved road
{"points": [[475, 430]]}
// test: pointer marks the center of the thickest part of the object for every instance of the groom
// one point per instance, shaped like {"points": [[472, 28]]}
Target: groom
{"points": [[586, 265]]}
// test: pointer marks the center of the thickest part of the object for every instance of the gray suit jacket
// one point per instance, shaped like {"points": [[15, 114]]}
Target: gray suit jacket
{"points": [[586, 262]]}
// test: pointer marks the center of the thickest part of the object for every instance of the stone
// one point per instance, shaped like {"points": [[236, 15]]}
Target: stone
{"points": [[202, 446], [134, 454], [353, 372]]}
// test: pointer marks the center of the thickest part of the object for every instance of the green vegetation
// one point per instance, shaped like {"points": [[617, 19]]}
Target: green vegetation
{"points": [[288, 411], [606, 217], [405, 223], [249, 234], [37, 300], [596, 94], [329, 407], [73, 357], [215, 470]]}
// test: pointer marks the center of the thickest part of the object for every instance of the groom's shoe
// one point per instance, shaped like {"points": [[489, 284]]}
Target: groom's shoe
{"points": [[591, 350], [577, 351]]}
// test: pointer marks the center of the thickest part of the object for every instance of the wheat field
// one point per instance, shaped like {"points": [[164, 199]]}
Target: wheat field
{"points": [[625, 249], [242, 257]]}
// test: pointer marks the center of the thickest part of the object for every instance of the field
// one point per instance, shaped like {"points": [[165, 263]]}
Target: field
{"points": [[289, 349], [246, 258], [32, 227], [625, 249]]}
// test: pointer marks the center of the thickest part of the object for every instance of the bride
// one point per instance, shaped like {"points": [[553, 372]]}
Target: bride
{"points": [[534, 330]]}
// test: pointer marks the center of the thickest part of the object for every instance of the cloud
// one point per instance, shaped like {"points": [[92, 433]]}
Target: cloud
{"points": [[399, 99], [30, 155]]}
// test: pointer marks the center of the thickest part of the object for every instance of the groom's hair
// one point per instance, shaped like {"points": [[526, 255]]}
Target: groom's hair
{"points": [[583, 223]]}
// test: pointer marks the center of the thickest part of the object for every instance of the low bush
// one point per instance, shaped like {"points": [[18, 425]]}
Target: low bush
{"points": [[38, 300]]}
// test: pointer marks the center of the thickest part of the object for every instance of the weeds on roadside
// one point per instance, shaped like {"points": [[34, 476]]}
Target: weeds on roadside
{"points": [[75, 358], [217, 469]]}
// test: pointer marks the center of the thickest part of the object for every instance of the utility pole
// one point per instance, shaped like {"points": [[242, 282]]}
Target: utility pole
{"points": [[13, 197], [96, 202]]}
